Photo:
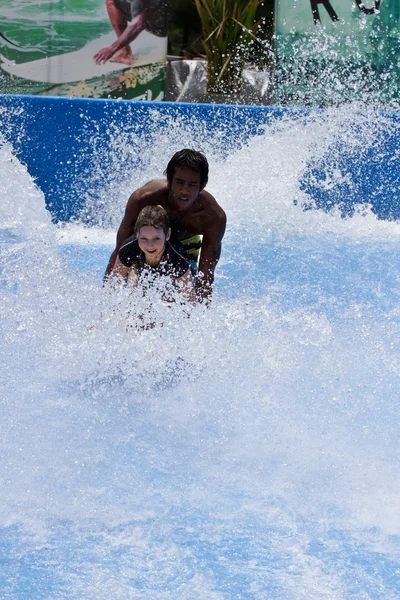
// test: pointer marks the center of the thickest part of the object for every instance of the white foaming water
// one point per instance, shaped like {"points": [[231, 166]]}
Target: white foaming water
{"points": [[249, 451]]}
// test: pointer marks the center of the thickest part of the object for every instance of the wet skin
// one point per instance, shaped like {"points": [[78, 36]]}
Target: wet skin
{"points": [[190, 209], [126, 32]]}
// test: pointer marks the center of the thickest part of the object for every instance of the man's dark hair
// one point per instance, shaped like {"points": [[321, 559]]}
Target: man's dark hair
{"points": [[153, 216], [188, 159]]}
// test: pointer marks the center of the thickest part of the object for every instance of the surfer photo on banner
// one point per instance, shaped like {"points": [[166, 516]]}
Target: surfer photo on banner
{"points": [[128, 19], [149, 255], [196, 220]]}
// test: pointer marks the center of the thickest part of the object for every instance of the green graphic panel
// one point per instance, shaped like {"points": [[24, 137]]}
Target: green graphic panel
{"points": [[49, 48], [334, 51]]}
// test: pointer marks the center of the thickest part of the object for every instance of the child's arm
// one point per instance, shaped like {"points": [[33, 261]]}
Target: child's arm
{"points": [[132, 279], [119, 272], [186, 287]]}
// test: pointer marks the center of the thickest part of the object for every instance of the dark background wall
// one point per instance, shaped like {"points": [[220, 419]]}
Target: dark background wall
{"points": [[184, 29]]}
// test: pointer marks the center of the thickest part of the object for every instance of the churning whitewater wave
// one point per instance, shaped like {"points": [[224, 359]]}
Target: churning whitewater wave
{"points": [[249, 450]]}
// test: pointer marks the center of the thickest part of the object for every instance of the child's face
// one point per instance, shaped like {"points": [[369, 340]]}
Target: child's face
{"points": [[152, 242]]}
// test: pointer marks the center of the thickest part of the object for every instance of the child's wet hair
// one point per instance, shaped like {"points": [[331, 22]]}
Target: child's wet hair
{"points": [[152, 216]]}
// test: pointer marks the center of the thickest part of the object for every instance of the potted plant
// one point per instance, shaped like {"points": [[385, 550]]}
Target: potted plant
{"points": [[229, 28]]}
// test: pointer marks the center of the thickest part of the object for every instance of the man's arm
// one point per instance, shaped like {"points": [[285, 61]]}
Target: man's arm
{"points": [[210, 253], [130, 34], [125, 230], [148, 194], [132, 210]]}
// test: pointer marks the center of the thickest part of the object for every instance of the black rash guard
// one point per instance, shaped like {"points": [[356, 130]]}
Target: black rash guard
{"points": [[173, 263]]}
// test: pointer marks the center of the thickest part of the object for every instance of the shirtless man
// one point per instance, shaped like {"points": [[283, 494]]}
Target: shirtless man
{"points": [[192, 212], [129, 18]]}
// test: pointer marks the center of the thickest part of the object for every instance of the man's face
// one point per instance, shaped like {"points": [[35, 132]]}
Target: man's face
{"points": [[184, 188]]}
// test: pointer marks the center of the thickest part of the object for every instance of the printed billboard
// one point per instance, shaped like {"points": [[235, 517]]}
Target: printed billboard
{"points": [[87, 48], [330, 51]]}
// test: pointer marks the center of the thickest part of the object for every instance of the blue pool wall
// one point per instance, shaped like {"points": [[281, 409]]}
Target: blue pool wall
{"points": [[54, 137]]}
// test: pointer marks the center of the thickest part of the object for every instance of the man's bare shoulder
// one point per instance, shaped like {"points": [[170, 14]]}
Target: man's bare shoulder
{"points": [[210, 210], [155, 187], [152, 192]]}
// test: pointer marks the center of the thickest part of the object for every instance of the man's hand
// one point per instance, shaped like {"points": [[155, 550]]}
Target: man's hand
{"points": [[203, 290], [130, 34], [104, 55], [209, 257]]}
